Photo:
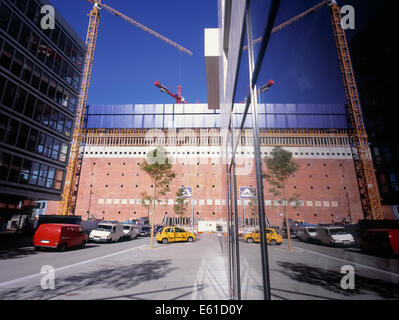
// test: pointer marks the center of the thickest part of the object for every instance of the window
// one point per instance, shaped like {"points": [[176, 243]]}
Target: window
{"points": [[42, 52], [58, 95], [34, 43], [68, 127], [42, 175], [5, 15], [63, 152], [60, 123], [44, 83], [64, 70], [27, 71], [54, 119], [56, 34], [36, 78], [20, 100], [25, 171], [62, 41], [32, 140], [58, 179], [17, 64], [6, 56], [46, 115], [13, 175], [23, 136], [34, 173], [68, 47], [50, 58], [40, 143], [39, 110], [3, 126], [5, 161], [50, 178], [9, 94], [31, 11], [48, 146], [57, 64], [76, 81], [52, 89], [15, 27]]}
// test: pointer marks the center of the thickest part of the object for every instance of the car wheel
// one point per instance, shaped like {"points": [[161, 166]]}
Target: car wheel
{"points": [[37, 248], [164, 240], [190, 239], [273, 242], [83, 244], [62, 247], [250, 240]]}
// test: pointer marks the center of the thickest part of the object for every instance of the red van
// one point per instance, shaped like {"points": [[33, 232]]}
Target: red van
{"points": [[380, 240], [59, 236]]}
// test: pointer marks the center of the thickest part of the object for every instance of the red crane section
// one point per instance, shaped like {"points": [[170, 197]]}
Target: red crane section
{"points": [[178, 97]]}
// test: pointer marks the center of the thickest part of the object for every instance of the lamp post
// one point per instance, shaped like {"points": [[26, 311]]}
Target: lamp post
{"points": [[88, 212]]}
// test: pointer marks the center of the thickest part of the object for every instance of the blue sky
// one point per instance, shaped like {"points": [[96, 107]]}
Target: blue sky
{"points": [[128, 60], [302, 59]]}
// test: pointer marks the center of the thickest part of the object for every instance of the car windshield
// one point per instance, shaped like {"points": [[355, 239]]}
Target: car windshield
{"points": [[126, 227], [311, 229], [103, 227], [338, 231]]}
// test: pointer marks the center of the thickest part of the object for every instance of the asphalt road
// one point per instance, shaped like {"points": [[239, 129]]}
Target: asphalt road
{"points": [[130, 270]]}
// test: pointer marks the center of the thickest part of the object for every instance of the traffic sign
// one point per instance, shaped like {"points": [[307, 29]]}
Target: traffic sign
{"points": [[187, 192], [247, 193]]}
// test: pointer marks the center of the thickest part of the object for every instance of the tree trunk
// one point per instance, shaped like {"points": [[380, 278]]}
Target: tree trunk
{"points": [[152, 219], [286, 219]]}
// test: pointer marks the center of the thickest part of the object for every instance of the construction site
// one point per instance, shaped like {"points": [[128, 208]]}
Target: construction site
{"points": [[74, 161]]}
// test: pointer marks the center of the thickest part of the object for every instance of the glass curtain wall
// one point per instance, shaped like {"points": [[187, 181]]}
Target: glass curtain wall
{"points": [[248, 263]]}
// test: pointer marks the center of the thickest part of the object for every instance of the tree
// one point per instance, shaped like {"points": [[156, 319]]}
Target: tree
{"points": [[159, 168], [181, 204], [281, 167]]}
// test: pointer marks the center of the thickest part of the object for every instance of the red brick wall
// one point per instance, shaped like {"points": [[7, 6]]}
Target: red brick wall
{"points": [[116, 178]]}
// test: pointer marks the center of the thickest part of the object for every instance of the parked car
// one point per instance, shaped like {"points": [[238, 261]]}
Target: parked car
{"points": [[385, 241], [130, 231], [157, 228], [107, 232], [334, 236], [174, 234], [145, 231], [272, 237], [59, 236], [307, 234]]}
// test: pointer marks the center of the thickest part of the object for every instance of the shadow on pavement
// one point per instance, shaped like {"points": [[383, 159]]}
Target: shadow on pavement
{"points": [[26, 251], [331, 279], [110, 277]]}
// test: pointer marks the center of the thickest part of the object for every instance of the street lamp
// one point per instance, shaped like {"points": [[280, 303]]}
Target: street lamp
{"points": [[88, 212]]}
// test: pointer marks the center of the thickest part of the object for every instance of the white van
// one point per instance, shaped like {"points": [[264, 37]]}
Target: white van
{"points": [[130, 231], [334, 236], [107, 232], [307, 234]]}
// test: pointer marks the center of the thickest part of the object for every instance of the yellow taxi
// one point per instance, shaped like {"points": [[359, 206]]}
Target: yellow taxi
{"points": [[272, 237], [174, 234]]}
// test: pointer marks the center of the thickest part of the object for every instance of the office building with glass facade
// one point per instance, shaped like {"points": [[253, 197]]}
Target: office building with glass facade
{"points": [[247, 51], [40, 75]]}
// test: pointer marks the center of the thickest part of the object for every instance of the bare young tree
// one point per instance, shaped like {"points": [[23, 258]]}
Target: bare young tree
{"points": [[281, 167], [159, 168]]}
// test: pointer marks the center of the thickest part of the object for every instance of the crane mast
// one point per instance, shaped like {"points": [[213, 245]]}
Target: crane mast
{"points": [[67, 205], [371, 201]]}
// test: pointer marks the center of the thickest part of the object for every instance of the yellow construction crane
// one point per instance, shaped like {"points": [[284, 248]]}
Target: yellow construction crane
{"points": [[66, 205], [368, 187]]}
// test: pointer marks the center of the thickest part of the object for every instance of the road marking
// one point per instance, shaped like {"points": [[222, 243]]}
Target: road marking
{"points": [[2, 284], [350, 262]]}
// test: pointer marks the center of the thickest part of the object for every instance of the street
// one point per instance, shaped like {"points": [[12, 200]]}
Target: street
{"points": [[193, 271]]}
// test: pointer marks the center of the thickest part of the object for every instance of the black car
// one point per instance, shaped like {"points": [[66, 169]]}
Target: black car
{"points": [[145, 232]]}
